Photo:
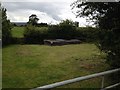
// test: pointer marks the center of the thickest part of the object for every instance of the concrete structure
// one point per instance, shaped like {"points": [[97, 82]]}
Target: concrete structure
{"points": [[61, 42]]}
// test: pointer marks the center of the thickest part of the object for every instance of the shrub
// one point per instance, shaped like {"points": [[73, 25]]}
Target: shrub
{"points": [[110, 43], [34, 35], [65, 30], [88, 34], [53, 32]]}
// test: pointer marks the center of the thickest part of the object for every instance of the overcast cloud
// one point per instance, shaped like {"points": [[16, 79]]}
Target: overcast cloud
{"points": [[48, 11]]}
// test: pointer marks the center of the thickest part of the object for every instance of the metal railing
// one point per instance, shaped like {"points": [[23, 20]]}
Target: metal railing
{"points": [[81, 79]]}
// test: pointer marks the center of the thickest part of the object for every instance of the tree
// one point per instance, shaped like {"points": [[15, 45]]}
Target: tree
{"points": [[67, 29], [106, 16], [6, 28], [33, 19], [99, 12], [0, 22]]}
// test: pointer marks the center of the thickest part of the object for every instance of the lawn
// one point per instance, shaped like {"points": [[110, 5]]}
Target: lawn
{"points": [[17, 32], [30, 66], [0, 67]]}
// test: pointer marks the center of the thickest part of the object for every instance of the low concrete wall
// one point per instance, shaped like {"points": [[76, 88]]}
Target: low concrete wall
{"points": [[61, 42]]}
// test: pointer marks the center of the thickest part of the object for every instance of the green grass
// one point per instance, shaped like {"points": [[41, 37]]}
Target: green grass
{"points": [[0, 67], [17, 32], [29, 66]]}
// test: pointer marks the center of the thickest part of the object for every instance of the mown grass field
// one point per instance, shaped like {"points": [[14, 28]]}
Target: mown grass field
{"points": [[17, 32], [30, 66]]}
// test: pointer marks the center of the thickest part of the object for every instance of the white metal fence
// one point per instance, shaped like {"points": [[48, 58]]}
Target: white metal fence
{"points": [[81, 79]]}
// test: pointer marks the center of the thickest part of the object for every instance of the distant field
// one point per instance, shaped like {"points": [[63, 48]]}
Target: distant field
{"points": [[18, 32], [29, 66]]}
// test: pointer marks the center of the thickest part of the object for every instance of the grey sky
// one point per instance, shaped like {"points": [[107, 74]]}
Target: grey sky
{"points": [[49, 11]]}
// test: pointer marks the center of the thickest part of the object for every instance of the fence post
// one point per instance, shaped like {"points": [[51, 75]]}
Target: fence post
{"points": [[102, 83]]}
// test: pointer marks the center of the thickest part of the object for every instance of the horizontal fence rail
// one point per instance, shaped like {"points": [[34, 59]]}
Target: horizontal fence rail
{"points": [[57, 84]]}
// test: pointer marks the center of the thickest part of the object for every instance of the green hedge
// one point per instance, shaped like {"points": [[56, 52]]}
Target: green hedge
{"points": [[36, 35], [88, 34]]}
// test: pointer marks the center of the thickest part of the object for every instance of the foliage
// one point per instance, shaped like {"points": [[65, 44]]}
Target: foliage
{"points": [[33, 35], [6, 28], [107, 17], [65, 30], [0, 23], [42, 25], [87, 34], [33, 20], [110, 44]]}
